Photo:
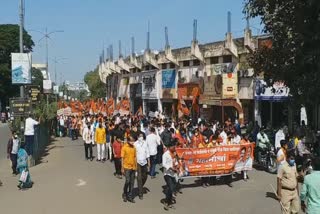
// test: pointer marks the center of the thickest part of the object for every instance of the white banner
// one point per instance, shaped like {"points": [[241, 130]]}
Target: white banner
{"points": [[56, 89], [47, 86], [21, 68]]}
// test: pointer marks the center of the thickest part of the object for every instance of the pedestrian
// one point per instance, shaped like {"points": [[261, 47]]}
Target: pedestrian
{"points": [[288, 185], [129, 167], [281, 154], [87, 138], [143, 163], [153, 141], [116, 147], [100, 139], [170, 172], [12, 151], [310, 193], [29, 134], [23, 169]]}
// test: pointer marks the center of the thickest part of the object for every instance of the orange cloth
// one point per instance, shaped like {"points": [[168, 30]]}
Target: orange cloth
{"points": [[129, 157]]}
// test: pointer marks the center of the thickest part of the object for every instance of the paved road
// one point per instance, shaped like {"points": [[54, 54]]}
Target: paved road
{"points": [[66, 183], [4, 137]]}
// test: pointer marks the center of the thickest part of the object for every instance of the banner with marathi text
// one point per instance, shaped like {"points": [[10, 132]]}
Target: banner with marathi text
{"points": [[215, 161]]}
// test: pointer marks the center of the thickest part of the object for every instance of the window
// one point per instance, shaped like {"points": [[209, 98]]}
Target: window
{"points": [[227, 58], [171, 65], [214, 60], [186, 63], [164, 66], [196, 62]]}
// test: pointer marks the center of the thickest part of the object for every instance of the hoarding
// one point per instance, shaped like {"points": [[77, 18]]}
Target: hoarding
{"points": [[21, 64]]}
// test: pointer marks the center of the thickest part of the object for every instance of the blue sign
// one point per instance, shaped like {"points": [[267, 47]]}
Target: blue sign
{"points": [[169, 78]]}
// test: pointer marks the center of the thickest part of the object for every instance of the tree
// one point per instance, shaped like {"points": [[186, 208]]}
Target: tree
{"points": [[294, 56], [37, 77], [96, 87], [9, 43]]}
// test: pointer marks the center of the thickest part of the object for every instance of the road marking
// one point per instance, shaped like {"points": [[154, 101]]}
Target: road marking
{"points": [[81, 183]]}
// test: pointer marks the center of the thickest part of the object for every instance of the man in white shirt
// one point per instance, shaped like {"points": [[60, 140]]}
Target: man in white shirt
{"points": [[153, 141], [170, 171], [279, 136], [236, 138], [29, 134], [224, 137], [87, 138], [61, 126], [143, 163]]}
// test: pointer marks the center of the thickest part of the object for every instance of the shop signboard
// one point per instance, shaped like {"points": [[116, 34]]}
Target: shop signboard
{"points": [[20, 107], [34, 92], [169, 90]]}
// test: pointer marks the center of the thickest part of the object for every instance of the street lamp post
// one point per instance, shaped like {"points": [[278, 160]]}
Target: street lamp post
{"points": [[46, 36], [56, 60]]}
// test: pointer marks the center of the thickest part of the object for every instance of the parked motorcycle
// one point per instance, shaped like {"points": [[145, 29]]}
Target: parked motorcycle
{"points": [[267, 158]]}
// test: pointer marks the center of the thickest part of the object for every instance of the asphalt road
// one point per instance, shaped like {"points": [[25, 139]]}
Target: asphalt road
{"points": [[4, 137], [66, 183]]}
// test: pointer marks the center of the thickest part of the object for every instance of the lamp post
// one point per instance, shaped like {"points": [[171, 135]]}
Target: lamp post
{"points": [[56, 60], [46, 36]]}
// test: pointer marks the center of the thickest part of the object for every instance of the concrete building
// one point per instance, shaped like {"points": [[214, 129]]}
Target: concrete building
{"points": [[218, 70]]}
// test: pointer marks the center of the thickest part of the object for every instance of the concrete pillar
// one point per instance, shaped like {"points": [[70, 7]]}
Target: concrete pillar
{"points": [[257, 111], [160, 105], [144, 104]]}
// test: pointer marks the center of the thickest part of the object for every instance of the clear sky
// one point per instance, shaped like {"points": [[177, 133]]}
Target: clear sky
{"points": [[89, 25]]}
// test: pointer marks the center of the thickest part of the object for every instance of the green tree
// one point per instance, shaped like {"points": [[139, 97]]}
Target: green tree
{"points": [[96, 87], [294, 57], [9, 43], [37, 77]]}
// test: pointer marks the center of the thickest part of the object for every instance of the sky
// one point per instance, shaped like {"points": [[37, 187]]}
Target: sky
{"points": [[89, 26]]}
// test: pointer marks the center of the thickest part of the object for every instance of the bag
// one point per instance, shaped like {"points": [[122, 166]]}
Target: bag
{"points": [[24, 176]]}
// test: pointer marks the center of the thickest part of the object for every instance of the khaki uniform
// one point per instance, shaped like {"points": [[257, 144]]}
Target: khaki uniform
{"points": [[289, 193]]}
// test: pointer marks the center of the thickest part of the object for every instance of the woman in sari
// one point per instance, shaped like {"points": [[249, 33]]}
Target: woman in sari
{"points": [[22, 165]]}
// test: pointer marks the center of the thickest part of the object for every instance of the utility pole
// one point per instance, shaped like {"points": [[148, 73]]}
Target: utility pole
{"points": [[21, 38]]}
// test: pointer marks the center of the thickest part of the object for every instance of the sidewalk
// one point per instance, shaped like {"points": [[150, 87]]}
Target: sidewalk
{"points": [[66, 183]]}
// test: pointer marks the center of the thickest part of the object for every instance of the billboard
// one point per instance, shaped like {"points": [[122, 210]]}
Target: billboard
{"points": [[34, 92], [47, 86], [169, 84], [21, 64], [149, 87], [277, 91], [56, 89]]}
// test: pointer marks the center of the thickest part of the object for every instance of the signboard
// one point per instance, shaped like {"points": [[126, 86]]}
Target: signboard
{"points": [[21, 68], [278, 91], [60, 94], [56, 89], [47, 86], [20, 107], [169, 90], [215, 161], [34, 92], [230, 85], [149, 89]]}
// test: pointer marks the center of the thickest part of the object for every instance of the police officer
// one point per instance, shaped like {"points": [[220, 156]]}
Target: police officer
{"points": [[288, 185]]}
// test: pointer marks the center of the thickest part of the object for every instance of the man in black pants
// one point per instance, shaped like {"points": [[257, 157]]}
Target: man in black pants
{"points": [[170, 171], [87, 138], [12, 151]]}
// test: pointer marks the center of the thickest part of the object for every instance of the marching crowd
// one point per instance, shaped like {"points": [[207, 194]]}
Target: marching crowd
{"points": [[136, 144]]}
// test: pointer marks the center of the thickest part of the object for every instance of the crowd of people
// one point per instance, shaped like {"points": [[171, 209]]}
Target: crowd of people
{"points": [[136, 144]]}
